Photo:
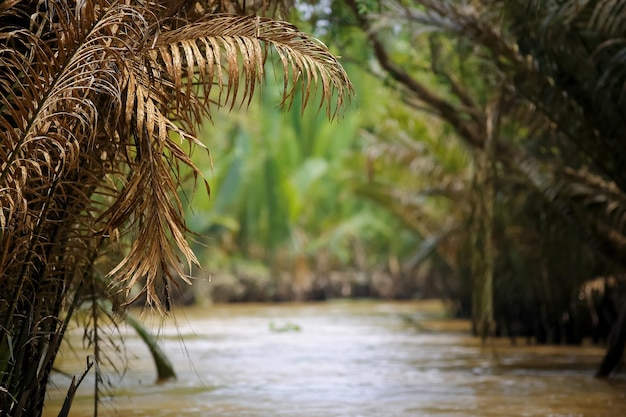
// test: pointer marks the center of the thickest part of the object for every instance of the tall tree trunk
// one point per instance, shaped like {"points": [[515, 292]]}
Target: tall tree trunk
{"points": [[482, 262]]}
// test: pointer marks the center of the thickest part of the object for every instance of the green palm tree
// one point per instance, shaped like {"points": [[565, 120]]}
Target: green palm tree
{"points": [[100, 102], [535, 88]]}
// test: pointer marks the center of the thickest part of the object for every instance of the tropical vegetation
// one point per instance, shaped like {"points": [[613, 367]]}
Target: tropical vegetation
{"points": [[533, 89], [496, 152], [480, 162], [100, 103]]}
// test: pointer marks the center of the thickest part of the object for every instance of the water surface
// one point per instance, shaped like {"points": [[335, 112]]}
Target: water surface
{"points": [[344, 359]]}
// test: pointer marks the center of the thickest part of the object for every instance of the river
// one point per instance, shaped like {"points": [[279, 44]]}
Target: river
{"points": [[338, 359]]}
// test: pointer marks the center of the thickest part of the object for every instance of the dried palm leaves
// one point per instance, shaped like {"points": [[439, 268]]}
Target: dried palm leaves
{"points": [[99, 103]]}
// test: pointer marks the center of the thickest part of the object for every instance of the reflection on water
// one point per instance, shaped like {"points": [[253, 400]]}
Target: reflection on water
{"points": [[346, 359]]}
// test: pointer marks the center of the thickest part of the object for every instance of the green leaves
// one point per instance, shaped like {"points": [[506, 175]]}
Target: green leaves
{"points": [[555, 71]]}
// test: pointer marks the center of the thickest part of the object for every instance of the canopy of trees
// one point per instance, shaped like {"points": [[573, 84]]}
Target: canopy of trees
{"points": [[535, 91]]}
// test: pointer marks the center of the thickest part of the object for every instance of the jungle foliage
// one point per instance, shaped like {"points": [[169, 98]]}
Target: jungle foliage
{"points": [[495, 147], [535, 91], [485, 152]]}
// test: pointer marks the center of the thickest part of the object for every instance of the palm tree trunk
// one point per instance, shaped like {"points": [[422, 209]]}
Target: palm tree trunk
{"points": [[482, 262]]}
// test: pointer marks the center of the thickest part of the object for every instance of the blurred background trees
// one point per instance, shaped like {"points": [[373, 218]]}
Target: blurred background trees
{"points": [[482, 163], [533, 89]]}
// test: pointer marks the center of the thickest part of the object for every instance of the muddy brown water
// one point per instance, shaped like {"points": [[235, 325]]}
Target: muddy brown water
{"points": [[341, 359]]}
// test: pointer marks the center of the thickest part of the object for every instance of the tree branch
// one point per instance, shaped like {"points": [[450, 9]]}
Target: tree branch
{"points": [[472, 134]]}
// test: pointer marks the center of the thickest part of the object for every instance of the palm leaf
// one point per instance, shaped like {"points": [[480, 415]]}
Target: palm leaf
{"points": [[186, 64], [99, 105]]}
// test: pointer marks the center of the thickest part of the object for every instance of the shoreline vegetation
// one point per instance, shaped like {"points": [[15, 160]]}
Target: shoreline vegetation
{"points": [[474, 154], [253, 282]]}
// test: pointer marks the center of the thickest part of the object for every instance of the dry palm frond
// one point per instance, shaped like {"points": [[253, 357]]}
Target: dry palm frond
{"points": [[98, 102], [220, 52]]}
